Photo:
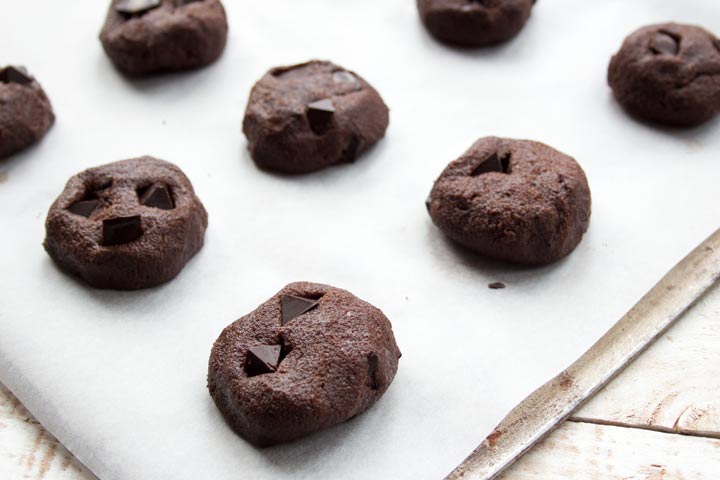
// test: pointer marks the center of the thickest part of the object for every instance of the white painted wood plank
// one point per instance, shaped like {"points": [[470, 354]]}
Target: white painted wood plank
{"points": [[582, 451], [675, 385], [27, 451]]}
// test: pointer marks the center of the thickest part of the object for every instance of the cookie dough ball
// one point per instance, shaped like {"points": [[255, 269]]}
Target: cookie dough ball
{"points": [[25, 111], [669, 74], [126, 225], [311, 357], [474, 23], [513, 200], [149, 36], [310, 116]]}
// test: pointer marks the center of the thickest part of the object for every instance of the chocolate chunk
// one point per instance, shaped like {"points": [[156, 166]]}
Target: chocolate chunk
{"points": [[292, 307], [185, 2], [17, 75], [351, 151], [134, 7], [496, 286], [120, 230], [320, 115], [665, 43], [493, 164], [158, 196], [342, 76], [262, 359], [373, 370], [717, 44], [84, 208]]}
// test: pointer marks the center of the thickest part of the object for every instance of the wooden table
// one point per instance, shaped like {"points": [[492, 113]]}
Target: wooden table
{"points": [[659, 420]]}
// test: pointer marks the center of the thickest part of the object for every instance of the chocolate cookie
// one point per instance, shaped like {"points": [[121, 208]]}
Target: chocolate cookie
{"points": [[126, 225], [309, 116], [25, 111], [669, 74], [474, 23], [150, 36], [513, 200], [309, 358]]}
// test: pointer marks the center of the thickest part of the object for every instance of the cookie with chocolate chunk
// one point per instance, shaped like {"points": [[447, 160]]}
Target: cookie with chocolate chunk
{"points": [[150, 36], [25, 111], [311, 357], [126, 225], [668, 73], [310, 116], [513, 200], [474, 23]]}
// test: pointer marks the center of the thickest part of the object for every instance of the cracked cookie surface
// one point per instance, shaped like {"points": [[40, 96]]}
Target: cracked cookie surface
{"points": [[474, 23], [310, 357], [668, 73], [310, 116], [127, 225], [142, 37], [25, 111], [514, 200]]}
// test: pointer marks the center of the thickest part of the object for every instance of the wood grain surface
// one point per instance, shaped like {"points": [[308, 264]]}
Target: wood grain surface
{"points": [[27, 451], [659, 420]]}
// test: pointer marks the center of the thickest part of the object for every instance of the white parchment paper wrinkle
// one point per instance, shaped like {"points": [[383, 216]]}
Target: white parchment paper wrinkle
{"points": [[119, 377]]}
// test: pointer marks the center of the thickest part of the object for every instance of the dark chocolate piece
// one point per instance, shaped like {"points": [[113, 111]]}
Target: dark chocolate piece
{"points": [[121, 230], [496, 286], [262, 359], [493, 163], [665, 43], [17, 75], [134, 7], [292, 307], [158, 196], [84, 208], [320, 115]]}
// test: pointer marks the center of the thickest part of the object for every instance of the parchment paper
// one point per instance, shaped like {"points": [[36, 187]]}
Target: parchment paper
{"points": [[119, 377]]}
